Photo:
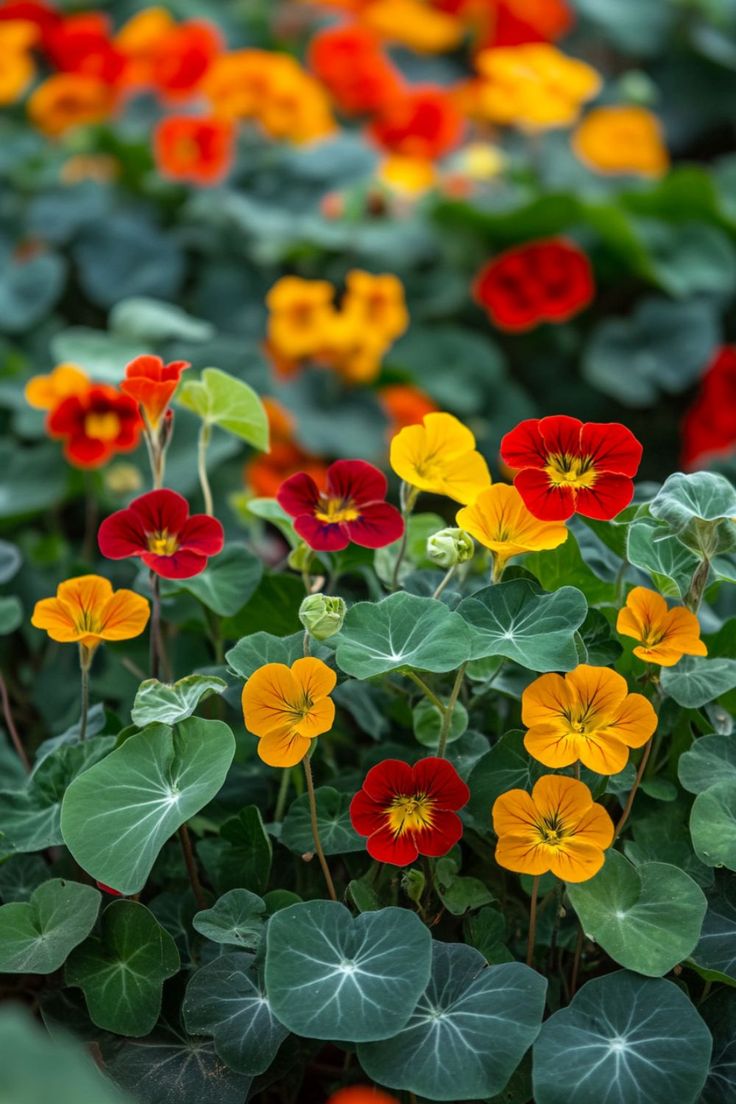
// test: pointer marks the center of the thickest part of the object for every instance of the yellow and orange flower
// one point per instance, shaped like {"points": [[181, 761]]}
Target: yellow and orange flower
{"points": [[287, 707], [376, 303], [86, 611], [557, 828], [17, 67], [626, 139], [301, 312], [587, 715], [46, 392], [499, 520], [439, 456], [414, 24], [67, 100], [664, 635]]}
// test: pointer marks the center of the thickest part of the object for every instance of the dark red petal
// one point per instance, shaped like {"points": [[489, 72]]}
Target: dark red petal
{"points": [[322, 536], [298, 495], [122, 535], [523, 447], [379, 524], [357, 481], [387, 779], [87, 452], [546, 502], [614, 448], [161, 510], [441, 782], [446, 830], [66, 417], [366, 815], [607, 497], [182, 565], [203, 534], [384, 846], [561, 434]]}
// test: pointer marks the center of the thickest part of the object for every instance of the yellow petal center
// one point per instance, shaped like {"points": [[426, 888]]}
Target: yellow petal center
{"points": [[575, 472], [102, 427], [334, 510], [410, 813], [163, 543]]}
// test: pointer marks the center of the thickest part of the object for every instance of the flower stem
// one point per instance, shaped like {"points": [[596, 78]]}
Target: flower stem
{"points": [[426, 690], [449, 711], [10, 725], [85, 659], [632, 793], [532, 922], [499, 566], [204, 440], [576, 960], [315, 829], [155, 629], [282, 795], [448, 576], [408, 499], [188, 851]]}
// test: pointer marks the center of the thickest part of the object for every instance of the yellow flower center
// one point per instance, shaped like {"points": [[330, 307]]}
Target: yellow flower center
{"points": [[163, 543], [575, 472], [102, 427], [334, 510], [552, 831], [410, 813]]}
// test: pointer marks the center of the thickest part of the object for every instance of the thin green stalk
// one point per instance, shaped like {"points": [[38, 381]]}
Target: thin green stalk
{"points": [[448, 576], [155, 627], [283, 794], [426, 690], [85, 659], [532, 923], [409, 497], [449, 711], [632, 793], [315, 828], [204, 440], [10, 725]]}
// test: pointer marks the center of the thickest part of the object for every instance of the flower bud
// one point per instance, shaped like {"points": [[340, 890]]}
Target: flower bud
{"points": [[322, 616], [300, 557], [450, 547]]}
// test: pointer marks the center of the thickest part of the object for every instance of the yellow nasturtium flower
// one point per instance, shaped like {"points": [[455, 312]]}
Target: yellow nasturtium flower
{"points": [[624, 139], [86, 611], [665, 635], [533, 85], [439, 456], [499, 520]]}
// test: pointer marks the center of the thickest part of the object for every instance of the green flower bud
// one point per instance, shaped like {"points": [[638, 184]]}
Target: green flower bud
{"points": [[322, 616], [450, 547], [300, 557]]}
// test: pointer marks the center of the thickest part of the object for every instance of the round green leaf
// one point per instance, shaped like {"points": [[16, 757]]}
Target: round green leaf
{"points": [[402, 630], [711, 759], [713, 825], [507, 766], [226, 999], [253, 651], [715, 953], [11, 614], [647, 918], [719, 1013], [157, 701], [227, 583], [427, 722], [336, 833], [223, 400], [519, 621], [121, 972], [624, 1040], [701, 495], [332, 976], [695, 680], [20, 875], [36, 936], [117, 816], [468, 1033], [152, 320], [237, 918], [654, 548], [10, 561]]}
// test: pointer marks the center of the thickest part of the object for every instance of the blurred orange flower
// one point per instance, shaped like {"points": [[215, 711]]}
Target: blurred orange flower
{"points": [[352, 66], [376, 302], [405, 405], [194, 149], [622, 140], [180, 58], [287, 707], [46, 392], [87, 611], [17, 67], [300, 315], [414, 24], [665, 635], [361, 1094], [138, 41], [67, 100]]}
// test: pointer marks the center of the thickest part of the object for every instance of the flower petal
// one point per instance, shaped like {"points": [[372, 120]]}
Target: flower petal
{"points": [[524, 447], [270, 698], [202, 534], [515, 813], [388, 779], [298, 495], [356, 480], [322, 536], [547, 502], [366, 815], [54, 616], [283, 748], [125, 616], [446, 831], [609, 495], [612, 446], [561, 435], [634, 722], [161, 510], [576, 860], [522, 855], [441, 782], [315, 678], [379, 524], [182, 565], [384, 846]]}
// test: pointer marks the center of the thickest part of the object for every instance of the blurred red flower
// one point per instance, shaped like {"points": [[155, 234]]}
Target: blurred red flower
{"points": [[95, 424], [421, 122], [194, 149], [83, 44], [361, 1094], [541, 281], [41, 15], [182, 57], [565, 466], [351, 64], [408, 811], [157, 528], [350, 508], [709, 426], [152, 384]]}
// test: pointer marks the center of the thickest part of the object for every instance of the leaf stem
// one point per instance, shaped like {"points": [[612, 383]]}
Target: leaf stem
{"points": [[10, 725], [408, 497], [449, 711], [204, 440], [155, 627], [283, 793], [188, 851], [532, 922], [632, 793], [315, 828], [576, 960], [426, 690], [85, 659]]}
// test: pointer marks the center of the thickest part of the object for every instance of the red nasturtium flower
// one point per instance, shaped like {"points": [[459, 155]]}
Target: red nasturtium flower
{"points": [[152, 384], [158, 528], [421, 122], [95, 424], [565, 466], [352, 66], [709, 426], [82, 43], [541, 281], [195, 149], [361, 1094], [181, 59], [351, 508], [407, 811]]}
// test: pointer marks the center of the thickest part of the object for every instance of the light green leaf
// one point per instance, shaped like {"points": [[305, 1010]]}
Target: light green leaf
{"points": [[518, 621], [713, 824], [253, 651], [159, 701], [468, 1033], [701, 495], [36, 936], [332, 976], [711, 759], [121, 972], [153, 321], [697, 680], [117, 816], [227, 583], [236, 918], [223, 400], [427, 723], [336, 833], [402, 630], [653, 547], [647, 918]]}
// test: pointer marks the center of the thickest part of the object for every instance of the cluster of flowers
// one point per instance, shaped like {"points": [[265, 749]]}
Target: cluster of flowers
{"points": [[306, 325]]}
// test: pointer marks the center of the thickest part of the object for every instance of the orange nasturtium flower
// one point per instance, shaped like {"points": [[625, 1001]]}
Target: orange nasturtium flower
{"points": [[439, 456], [589, 715], [194, 149], [414, 24], [557, 828], [376, 302], [664, 635], [152, 384], [46, 392], [499, 520], [300, 315], [624, 139], [67, 100], [17, 36], [86, 611], [286, 707]]}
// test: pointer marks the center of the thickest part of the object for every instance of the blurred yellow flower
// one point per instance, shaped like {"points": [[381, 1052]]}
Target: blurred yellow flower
{"points": [[301, 313], [622, 140], [46, 392], [16, 64], [414, 24]]}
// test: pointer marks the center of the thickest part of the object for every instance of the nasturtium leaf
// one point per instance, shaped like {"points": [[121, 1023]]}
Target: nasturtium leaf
{"points": [[102, 355], [486, 931], [663, 836], [170, 703], [468, 1032], [33, 480], [711, 759], [519, 621], [702, 495], [10, 561], [427, 722], [121, 972], [222, 400], [332, 976], [236, 918], [228, 582], [654, 548], [698, 680], [241, 858], [719, 1013], [127, 254], [11, 614], [402, 630], [459, 893], [37, 935], [153, 320], [226, 999], [626, 1040], [336, 832], [507, 766], [601, 646], [715, 953], [117, 816], [259, 648], [647, 918], [29, 287], [713, 824], [20, 875]]}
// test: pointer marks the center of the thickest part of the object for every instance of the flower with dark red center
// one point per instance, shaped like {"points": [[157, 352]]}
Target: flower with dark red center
{"points": [[543, 281], [352, 507], [709, 426], [565, 466], [152, 384], [95, 424], [157, 528], [408, 811]]}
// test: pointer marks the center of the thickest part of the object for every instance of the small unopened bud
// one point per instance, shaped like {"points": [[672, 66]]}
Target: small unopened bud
{"points": [[300, 557], [322, 616], [450, 547]]}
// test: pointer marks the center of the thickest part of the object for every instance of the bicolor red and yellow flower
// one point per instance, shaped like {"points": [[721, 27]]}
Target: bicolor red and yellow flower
{"points": [[587, 716], [194, 149], [95, 423], [406, 811], [288, 707], [439, 456], [87, 611], [499, 520], [664, 635], [557, 829], [152, 383], [565, 466]]}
